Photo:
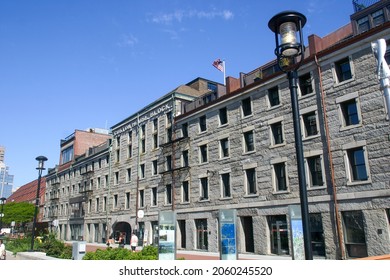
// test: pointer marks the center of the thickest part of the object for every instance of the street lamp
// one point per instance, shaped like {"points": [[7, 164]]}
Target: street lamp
{"points": [[40, 168], [3, 200], [287, 27]]}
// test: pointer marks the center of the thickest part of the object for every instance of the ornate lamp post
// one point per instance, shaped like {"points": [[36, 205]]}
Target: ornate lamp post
{"points": [[40, 168], [3, 200], [289, 51]]}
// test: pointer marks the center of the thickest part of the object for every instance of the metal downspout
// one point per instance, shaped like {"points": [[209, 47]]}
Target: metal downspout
{"points": [[138, 171], [336, 208], [173, 126]]}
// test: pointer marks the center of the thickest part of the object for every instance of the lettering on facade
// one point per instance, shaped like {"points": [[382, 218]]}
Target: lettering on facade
{"points": [[143, 118]]}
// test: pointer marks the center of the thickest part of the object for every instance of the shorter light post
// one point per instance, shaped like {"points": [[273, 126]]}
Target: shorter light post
{"points": [[3, 200], [286, 26], [41, 160]]}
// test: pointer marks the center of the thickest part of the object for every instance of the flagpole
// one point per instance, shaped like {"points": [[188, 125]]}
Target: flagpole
{"points": [[224, 72]]}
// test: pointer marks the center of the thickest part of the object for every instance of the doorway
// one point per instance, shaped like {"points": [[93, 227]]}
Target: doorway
{"points": [[182, 229], [279, 235], [247, 225]]}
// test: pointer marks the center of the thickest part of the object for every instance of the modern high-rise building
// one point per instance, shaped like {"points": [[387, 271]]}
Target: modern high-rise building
{"points": [[6, 179]]}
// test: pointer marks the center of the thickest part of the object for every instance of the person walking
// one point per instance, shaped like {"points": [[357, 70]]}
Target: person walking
{"points": [[121, 241], [133, 242], [3, 253]]}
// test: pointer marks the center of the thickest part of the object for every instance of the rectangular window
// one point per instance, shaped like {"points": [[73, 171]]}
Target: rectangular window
{"points": [[129, 151], [127, 201], [277, 133], [184, 130], [141, 198], [378, 18], [249, 144], [354, 234], [184, 159], [97, 204], [168, 194], [98, 185], [343, 70], [246, 107], [128, 175], [203, 154], [202, 124], [168, 163], [357, 164], [155, 140], [273, 96], [305, 84], [250, 176], [317, 234], [168, 118], [185, 192], [155, 125], [67, 155], [105, 203], [310, 124], [154, 196], [115, 203], [116, 178], [204, 188], [169, 134], [223, 118], [363, 24], [142, 170], [117, 155], [143, 145], [225, 185], [154, 167], [224, 147], [350, 112], [280, 179], [315, 171]]}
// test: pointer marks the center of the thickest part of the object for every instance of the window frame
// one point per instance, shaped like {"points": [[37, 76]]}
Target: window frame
{"points": [[339, 74], [246, 107], [275, 176], [350, 167], [247, 144]]}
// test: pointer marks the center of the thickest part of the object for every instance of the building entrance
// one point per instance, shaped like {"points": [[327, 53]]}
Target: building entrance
{"points": [[279, 235]]}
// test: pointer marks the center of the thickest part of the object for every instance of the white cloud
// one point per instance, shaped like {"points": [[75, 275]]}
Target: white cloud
{"points": [[128, 40], [180, 15]]}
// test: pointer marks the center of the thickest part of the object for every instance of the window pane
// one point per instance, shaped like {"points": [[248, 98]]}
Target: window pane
{"points": [[357, 164]]}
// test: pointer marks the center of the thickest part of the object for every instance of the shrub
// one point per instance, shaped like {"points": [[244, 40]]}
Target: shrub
{"points": [[147, 253]]}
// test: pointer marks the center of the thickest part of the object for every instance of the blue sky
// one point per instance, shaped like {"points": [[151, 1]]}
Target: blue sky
{"points": [[78, 64]]}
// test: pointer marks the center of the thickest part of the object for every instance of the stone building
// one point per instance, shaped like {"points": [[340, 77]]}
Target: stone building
{"points": [[239, 153], [98, 188], [199, 149]]}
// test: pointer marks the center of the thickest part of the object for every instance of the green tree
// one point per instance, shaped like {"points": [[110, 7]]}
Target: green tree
{"points": [[20, 212]]}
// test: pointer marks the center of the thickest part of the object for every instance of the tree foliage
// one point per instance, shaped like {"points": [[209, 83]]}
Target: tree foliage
{"points": [[20, 212]]}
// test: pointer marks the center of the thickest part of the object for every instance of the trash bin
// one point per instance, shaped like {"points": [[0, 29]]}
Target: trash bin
{"points": [[78, 250]]}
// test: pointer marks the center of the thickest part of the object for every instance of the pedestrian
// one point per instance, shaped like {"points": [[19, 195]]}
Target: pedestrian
{"points": [[3, 253], [133, 242], [121, 241]]}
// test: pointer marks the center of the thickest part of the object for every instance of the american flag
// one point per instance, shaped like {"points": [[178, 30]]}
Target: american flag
{"points": [[218, 64]]}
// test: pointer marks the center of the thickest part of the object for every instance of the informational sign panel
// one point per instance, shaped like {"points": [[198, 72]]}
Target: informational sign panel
{"points": [[167, 235], [228, 236], [298, 249]]}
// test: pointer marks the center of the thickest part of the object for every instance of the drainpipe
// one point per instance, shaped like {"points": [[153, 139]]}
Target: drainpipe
{"points": [[109, 188], [336, 208], [173, 149], [138, 171]]}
